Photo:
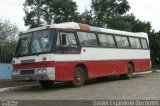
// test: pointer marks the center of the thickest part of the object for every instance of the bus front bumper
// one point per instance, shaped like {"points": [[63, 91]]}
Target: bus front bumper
{"points": [[34, 74]]}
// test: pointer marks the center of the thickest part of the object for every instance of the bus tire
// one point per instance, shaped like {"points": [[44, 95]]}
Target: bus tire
{"points": [[78, 77], [46, 84], [129, 72]]}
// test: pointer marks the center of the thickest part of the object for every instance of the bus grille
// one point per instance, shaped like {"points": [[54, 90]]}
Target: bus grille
{"points": [[27, 72]]}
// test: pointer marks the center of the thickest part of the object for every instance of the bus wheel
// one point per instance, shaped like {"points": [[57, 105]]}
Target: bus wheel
{"points": [[129, 72], [46, 84], [79, 77]]}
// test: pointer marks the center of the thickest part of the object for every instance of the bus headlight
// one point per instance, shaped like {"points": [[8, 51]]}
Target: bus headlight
{"points": [[41, 71], [44, 71], [15, 73]]}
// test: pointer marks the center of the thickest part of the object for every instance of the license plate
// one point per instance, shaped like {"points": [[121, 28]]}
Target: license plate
{"points": [[27, 78]]}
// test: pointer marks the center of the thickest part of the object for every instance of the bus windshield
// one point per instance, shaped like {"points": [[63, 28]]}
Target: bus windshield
{"points": [[34, 43]]}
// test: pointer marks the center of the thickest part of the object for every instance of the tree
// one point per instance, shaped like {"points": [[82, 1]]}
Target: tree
{"points": [[52, 11], [122, 23], [8, 31], [86, 17], [154, 40], [139, 26], [104, 10], [129, 23]]}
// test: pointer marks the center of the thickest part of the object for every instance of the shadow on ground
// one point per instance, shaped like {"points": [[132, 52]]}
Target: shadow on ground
{"points": [[68, 85]]}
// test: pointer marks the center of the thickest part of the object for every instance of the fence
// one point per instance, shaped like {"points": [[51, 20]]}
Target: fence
{"points": [[7, 50]]}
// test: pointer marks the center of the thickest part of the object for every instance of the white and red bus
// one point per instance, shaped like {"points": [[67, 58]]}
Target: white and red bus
{"points": [[77, 52]]}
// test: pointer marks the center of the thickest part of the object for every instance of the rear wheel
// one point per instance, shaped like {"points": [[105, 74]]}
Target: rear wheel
{"points": [[129, 72], [46, 84], [79, 77]]}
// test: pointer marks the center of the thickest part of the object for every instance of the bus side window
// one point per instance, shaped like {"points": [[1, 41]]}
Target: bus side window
{"points": [[133, 42], [88, 39], [103, 40], [144, 43], [66, 43], [119, 41], [58, 45], [125, 42], [122, 41], [110, 40], [92, 40], [138, 43], [83, 38]]}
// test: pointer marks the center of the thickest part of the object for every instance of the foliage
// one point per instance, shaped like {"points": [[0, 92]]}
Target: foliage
{"points": [[122, 23], [154, 39], [8, 31], [52, 11], [104, 10], [87, 17], [104, 13], [7, 50], [129, 23]]}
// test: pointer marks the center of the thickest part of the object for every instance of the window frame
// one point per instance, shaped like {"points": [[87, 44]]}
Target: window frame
{"points": [[123, 46], [116, 46], [134, 42], [52, 32], [139, 43], [107, 40], [146, 43], [104, 35], [98, 43], [58, 30]]}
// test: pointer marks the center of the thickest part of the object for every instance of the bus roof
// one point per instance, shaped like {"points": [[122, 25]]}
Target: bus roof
{"points": [[74, 25]]}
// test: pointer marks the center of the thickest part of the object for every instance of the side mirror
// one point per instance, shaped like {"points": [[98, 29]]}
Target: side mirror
{"points": [[64, 39]]}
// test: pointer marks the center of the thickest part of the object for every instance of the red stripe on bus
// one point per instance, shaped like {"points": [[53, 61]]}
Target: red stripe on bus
{"points": [[65, 70], [34, 65]]}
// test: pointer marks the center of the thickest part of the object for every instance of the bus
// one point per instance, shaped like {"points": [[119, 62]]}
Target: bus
{"points": [[76, 52]]}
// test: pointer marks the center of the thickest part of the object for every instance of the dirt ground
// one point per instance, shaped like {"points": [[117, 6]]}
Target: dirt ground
{"points": [[12, 83], [141, 87]]}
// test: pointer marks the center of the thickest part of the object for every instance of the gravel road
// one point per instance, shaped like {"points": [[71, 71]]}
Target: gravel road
{"points": [[141, 87]]}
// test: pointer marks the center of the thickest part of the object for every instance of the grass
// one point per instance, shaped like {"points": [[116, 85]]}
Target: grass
{"points": [[155, 68]]}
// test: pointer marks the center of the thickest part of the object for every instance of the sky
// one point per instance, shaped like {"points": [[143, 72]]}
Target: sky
{"points": [[145, 10]]}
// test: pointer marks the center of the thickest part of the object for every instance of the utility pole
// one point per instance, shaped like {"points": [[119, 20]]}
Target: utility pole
{"points": [[39, 12]]}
